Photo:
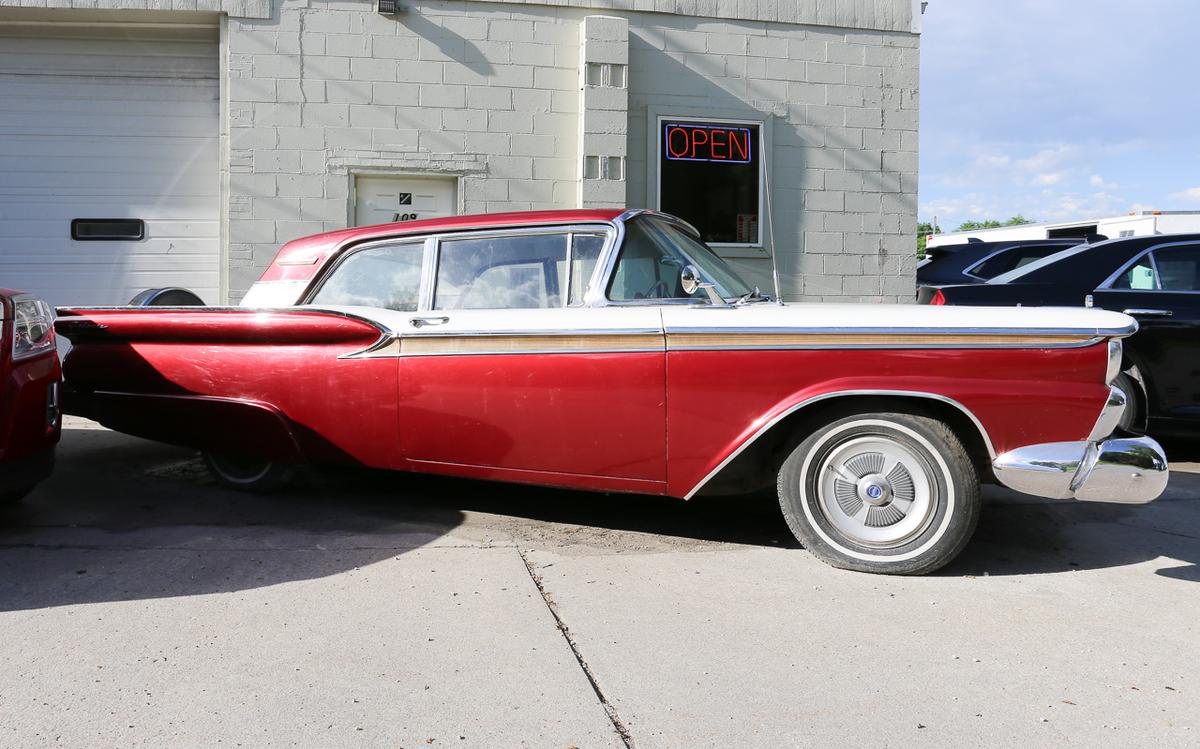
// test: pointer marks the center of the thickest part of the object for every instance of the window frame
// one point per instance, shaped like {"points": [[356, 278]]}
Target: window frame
{"points": [[432, 255], [328, 272], [723, 249], [1107, 285], [429, 280], [605, 289]]}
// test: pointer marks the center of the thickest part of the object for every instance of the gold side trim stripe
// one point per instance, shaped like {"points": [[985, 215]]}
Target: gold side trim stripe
{"points": [[517, 344], [800, 340], [469, 344]]}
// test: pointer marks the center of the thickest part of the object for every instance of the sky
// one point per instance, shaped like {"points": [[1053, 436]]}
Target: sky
{"points": [[1058, 109]]}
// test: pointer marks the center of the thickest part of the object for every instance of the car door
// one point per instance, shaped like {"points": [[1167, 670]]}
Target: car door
{"points": [[1161, 289], [503, 368]]}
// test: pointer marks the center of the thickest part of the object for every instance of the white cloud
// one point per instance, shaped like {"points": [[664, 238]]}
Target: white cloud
{"points": [[1098, 182], [1050, 178], [1048, 158], [992, 161], [1190, 195]]}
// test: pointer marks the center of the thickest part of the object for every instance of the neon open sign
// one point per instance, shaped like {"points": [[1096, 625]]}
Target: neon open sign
{"points": [[715, 143]]}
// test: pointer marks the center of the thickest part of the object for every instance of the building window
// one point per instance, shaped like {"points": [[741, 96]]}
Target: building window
{"points": [[710, 175]]}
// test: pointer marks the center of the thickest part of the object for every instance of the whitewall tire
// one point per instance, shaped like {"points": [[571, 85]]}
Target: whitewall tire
{"points": [[889, 493]]}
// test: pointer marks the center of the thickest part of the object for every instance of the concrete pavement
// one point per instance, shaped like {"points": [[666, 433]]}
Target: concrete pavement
{"points": [[140, 604]]}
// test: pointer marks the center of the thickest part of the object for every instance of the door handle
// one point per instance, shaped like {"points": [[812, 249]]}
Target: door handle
{"points": [[420, 322], [1139, 312]]}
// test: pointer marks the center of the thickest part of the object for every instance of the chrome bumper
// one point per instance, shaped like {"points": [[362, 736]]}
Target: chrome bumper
{"points": [[1126, 470]]}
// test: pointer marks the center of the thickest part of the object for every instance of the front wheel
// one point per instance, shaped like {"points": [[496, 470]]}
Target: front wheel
{"points": [[250, 474], [888, 493]]}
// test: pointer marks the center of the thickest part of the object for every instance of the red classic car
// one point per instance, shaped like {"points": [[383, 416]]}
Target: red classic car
{"points": [[29, 381], [614, 351]]}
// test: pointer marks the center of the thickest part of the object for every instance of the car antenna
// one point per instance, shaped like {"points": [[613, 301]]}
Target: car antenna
{"points": [[771, 233]]}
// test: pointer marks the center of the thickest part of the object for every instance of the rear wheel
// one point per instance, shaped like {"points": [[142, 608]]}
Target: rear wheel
{"points": [[249, 473], [889, 493]]}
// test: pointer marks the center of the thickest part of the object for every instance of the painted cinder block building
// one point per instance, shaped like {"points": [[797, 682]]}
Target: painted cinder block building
{"points": [[219, 129]]}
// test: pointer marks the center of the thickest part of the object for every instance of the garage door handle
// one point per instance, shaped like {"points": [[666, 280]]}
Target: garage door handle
{"points": [[1139, 312], [420, 322]]}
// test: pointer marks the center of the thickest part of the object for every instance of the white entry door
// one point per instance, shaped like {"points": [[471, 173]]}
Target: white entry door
{"points": [[106, 123], [383, 200]]}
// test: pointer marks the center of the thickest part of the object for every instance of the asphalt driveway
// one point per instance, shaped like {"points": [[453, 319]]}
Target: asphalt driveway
{"points": [[140, 604]]}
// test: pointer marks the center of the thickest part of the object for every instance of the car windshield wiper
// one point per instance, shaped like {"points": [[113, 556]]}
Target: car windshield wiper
{"points": [[753, 295]]}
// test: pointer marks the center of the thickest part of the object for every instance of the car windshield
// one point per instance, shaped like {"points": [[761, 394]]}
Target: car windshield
{"points": [[1036, 265], [654, 253]]}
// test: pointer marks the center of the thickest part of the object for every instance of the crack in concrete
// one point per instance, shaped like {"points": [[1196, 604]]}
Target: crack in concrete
{"points": [[609, 710]]}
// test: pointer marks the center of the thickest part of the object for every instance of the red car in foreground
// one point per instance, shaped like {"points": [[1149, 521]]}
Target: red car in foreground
{"points": [[614, 351], [29, 382]]}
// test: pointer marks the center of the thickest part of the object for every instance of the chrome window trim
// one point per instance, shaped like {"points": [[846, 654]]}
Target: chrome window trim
{"points": [[566, 229], [1106, 285], [987, 440]]}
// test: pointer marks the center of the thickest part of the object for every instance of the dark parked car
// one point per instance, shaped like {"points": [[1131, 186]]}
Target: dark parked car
{"points": [[1156, 279], [976, 262]]}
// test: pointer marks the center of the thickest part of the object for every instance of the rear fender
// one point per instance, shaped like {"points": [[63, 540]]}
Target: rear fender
{"points": [[229, 425]]}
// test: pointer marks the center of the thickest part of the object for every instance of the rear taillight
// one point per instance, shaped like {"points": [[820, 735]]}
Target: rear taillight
{"points": [[33, 327], [938, 297]]}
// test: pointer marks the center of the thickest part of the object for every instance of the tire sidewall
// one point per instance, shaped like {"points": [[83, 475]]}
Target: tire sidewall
{"points": [[951, 476], [272, 476]]}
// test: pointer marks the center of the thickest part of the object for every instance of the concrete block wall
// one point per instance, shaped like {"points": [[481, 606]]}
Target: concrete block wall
{"points": [[325, 89], [494, 94], [603, 110], [840, 110]]}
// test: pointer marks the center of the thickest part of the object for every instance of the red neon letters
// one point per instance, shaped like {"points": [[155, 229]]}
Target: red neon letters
{"points": [[693, 142]]}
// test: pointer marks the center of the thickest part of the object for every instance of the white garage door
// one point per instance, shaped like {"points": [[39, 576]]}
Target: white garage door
{"points": [[117, 123]]}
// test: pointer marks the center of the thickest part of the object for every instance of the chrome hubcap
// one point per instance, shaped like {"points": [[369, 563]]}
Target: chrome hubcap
{"points": [[876, 491]]}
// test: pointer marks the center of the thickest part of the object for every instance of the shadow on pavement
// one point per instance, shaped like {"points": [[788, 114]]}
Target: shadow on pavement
{"points": [[125, 519]]}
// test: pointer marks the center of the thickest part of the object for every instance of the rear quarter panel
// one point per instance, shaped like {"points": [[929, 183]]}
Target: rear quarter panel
{"points": [[341, 410]]}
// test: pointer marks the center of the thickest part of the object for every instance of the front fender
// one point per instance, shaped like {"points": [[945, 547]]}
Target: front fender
{"points": [[1007, 412]]}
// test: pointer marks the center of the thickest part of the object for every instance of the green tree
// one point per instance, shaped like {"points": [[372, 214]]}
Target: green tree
{"points": [[924, 229], [1016, 220]]}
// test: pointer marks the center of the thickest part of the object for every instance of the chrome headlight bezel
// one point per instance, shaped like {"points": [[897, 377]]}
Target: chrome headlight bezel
{"points": [[1116, 351]]}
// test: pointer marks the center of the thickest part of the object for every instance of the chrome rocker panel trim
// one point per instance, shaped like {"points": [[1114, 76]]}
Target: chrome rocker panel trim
{"points": [[1123, 470]]}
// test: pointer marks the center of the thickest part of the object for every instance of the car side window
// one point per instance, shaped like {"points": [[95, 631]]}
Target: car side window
{"points": [[652, 256], [520, 271], [1178, 268], [1011, 259], [388, 277], [1138, 277]]}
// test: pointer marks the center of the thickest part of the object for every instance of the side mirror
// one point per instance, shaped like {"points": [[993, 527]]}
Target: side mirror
{"points": [[689, 279]]}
